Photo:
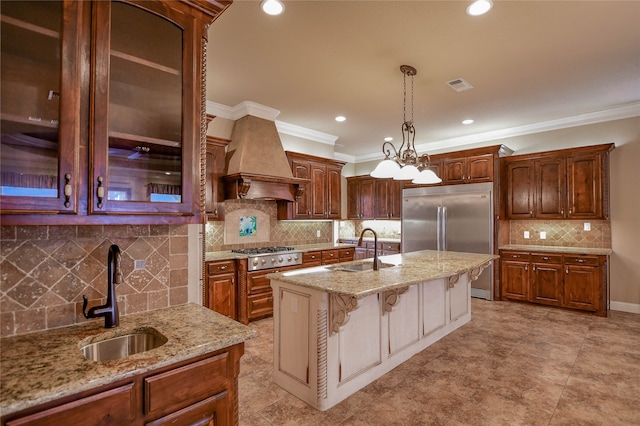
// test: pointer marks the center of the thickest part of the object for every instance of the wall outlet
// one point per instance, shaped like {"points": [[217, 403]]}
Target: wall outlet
{"points": [[140, 264], [587, 226], [527, 235], [318, 233], [543, 235]]}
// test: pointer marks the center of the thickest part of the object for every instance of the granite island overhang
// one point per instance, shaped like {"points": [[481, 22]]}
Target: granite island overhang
{"points": [[337, 330]]}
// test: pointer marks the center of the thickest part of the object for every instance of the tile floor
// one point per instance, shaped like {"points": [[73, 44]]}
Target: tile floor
{"points": [[513, 364]]}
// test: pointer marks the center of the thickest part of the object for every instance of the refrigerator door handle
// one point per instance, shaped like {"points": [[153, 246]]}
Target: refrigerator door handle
{"points": [[438, 227], [444, 227]]}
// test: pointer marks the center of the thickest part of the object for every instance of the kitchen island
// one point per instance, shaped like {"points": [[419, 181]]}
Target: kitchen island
{"points": [[338, 328], [191, 377]]}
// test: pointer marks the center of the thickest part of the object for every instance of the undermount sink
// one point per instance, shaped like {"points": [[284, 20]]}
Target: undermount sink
{"points": [[359, 267], [122, 346]]}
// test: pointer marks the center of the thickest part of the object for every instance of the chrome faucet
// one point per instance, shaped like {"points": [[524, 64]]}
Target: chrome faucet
{"points": [[376, 262], [109, 310]]}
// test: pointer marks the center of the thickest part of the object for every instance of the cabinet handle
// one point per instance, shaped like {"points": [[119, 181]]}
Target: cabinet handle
{"points": [[566, 270], [515, 256], [580, 260], [100, 191], [531, 213], [545, 258], [562, 212], [534, 268], [68, 190], [222, 268], [526, 268], [571, 211]]}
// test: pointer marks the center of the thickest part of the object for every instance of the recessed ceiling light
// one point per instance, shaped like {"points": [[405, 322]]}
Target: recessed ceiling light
{"points": [[388, 139], [479, 7], [340, 118], [272, 7], [467, 121]]}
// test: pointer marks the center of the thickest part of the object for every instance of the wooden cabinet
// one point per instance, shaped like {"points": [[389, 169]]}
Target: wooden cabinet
{"points": [[387, 199], [368, 249], [565, 184], [470, 169], [116, 137], [221, 288], [347, 254], [214, 189], [321, 198], [311, 259], [570, 281], [360, 197], [330, 256], [203, 390]]}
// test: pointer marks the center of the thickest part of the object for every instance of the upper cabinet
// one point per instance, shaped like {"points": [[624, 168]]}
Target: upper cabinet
{"points": [[321, 198], [117, 136], [566, 184], [467, 169], [387, 199], [360, 197], [214, 189]]}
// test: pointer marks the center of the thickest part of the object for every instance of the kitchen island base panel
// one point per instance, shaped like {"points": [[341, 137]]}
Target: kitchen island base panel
{"points": [[329, 346]]}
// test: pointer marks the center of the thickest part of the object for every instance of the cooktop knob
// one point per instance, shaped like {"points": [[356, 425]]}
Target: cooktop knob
{"points": [[280, 259]]}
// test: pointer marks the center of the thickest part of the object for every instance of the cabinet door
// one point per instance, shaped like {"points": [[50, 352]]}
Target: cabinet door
{"points": [[146, 132], [550, 188], [334, 191], [454, 170], [366, 198], [353, 198], [479, 168], [382, 202], [40, 106], [214, 191], [318, 191], [520, 190], [515, 280], [302, 206], [222, 294], [584, 186], [582, 287], [395, 199], [546, 285]]}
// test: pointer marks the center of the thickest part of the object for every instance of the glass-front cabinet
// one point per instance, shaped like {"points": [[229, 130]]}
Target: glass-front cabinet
{"points": [[37, 162], [102, 110]]}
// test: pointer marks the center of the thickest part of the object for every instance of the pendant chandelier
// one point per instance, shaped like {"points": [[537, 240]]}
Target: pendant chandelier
{"points": [[405, 163]]}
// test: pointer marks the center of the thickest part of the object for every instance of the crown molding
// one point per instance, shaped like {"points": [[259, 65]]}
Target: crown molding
{"points": [[303, 132], [240, 110]]}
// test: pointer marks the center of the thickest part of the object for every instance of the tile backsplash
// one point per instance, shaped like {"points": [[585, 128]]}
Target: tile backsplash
{"points": [[384, 228], [45, 270], [281, 233], [567, 233]]}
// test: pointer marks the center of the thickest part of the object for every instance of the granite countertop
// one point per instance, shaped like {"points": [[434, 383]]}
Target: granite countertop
{"points": [[43, 366], [413, 268], [212, 256], [558, 249]]}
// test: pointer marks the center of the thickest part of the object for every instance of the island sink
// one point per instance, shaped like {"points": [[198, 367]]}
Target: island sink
{"points": [[360, 267], [123, 346]]}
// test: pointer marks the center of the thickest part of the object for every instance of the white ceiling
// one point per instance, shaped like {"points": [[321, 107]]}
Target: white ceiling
{"points": [[534, 65]]}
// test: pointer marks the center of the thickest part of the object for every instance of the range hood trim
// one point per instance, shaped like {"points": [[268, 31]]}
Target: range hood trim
{"points": [[251, 186]]}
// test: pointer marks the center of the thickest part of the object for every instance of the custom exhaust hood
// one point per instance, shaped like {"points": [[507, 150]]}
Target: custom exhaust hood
{"points": [[257, 167]]}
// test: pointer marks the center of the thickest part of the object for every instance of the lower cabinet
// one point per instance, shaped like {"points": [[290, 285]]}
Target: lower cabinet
{"points": [[221, 289], [565, 280], [201, 391], [368, 249]]}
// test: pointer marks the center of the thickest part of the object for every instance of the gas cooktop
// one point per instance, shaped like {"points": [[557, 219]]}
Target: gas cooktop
{"points": [[263, 250]]}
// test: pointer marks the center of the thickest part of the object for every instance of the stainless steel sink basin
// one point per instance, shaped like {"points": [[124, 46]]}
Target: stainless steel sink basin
{"points": [[359, 267], [123, 346]]}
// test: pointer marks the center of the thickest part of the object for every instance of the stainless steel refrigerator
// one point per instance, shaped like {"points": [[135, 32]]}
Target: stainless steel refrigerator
{"points": [[452, 218]]}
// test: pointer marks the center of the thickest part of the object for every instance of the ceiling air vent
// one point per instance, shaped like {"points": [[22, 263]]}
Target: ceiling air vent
{"points": [[459, 85]]}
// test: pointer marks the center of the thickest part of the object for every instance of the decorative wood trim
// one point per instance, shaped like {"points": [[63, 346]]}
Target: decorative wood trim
{"points": [[391, 298], [474, 273], [242, 291], [453, 280], [339, 308], [322, 339]]}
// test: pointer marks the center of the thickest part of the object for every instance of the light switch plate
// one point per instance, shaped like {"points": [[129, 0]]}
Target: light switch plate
{"points": [[587, 226], [543, 235], [527, 235]]}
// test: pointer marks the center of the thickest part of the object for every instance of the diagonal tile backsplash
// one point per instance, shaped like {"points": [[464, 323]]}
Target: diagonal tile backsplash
{"points": [[45, 270], [567, 233]]}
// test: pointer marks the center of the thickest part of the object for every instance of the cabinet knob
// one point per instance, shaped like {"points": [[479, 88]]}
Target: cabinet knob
{"points": [[566, 271], [222, 268], [531, 213], [580, 260], [545, 258]]}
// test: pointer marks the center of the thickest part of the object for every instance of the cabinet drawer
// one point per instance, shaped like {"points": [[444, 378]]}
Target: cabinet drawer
{"points": [[117, 405], [581, 260], [311, 257], [179, 388], [390, 248], [221, 267], [211, 411], [546, 258], [330, 256], [260, 305], [346, 254], [515, 255]]}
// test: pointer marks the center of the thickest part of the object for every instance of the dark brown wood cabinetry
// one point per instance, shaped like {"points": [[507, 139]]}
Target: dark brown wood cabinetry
{"points": [[360, 197], [368, 248], [565, 184], [117, 139], [221, 287], [467, 169], [321, 198], [387, 199], [214, 189], [202, 391], [566, 280]]}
